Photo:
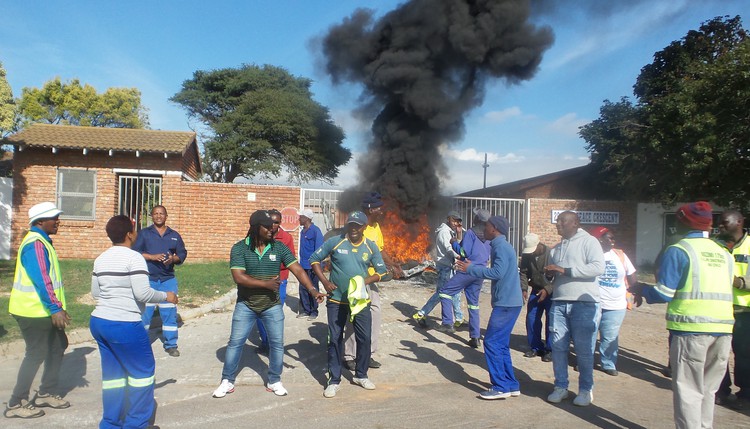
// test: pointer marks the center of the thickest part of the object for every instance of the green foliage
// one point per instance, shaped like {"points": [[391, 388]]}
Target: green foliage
{"points": [[687, 136], [262, 119], [71, 103], [7, 105], [198, 283]]}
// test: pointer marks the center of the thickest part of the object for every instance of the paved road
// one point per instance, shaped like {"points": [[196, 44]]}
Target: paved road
{"points": [[428, 379]]}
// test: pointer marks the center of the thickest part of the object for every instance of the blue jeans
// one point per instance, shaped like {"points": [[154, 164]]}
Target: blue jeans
{"points": [[576, 320], [243, 320], [261, 328], [127, 373], [535, 310], [497, 348], [444, 274], [167, 312], [609, 333]]}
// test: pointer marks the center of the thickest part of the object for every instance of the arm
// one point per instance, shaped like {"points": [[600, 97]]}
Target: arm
{"points": [[378, 263], [317, 258], [673, 262], [242, 279], [390, 263], [142, 291], [444, 239], [301, 275], [35, 260], [594, 265], [180, 253], [318, 238]]}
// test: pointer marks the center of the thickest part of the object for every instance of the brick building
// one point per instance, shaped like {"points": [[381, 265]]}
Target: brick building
{"points": [[93, 173], [548, 195]]}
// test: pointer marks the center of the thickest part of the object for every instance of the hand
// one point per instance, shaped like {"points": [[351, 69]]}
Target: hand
{"points": [[317, 295], [172, 297], [542, 294], [462, 265], [738, 283], [637, 300], [553, 269], [525, 294], [167, 259], [60, 319], [272, 284], [328, 286], [398, 273]]}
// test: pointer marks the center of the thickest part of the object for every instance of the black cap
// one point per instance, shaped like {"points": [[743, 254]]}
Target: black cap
{"points": [[262, 218]]}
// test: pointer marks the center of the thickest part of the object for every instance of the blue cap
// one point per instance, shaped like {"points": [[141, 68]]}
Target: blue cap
{"points": [[500, 223], [372, 200], [357, 217]]}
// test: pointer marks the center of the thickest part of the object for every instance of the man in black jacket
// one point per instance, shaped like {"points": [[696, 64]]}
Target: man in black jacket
{"points": [[534, 258]]}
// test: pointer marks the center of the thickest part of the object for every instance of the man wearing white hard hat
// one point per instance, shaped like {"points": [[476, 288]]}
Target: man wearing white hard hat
{"points": [[37, 302], [310, 240]]}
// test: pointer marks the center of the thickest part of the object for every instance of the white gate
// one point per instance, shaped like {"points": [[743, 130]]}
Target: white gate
{"points": [[6, 208]]}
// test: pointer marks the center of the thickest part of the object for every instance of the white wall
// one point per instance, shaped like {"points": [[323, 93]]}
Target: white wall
{"points": [[6, 204]]}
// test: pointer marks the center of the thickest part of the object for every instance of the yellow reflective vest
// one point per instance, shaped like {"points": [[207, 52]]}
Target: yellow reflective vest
{"points": [[704, 303], [24, 300], [741, 253]]}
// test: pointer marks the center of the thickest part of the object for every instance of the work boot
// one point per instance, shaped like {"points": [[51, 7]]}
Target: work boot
{"points": [[474, 343], [23, 410], [49, 400], [173, 352]]}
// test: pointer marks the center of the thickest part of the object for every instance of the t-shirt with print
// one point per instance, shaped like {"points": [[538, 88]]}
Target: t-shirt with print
{"points": [[612, 289], [348, 260], [262, 266]]}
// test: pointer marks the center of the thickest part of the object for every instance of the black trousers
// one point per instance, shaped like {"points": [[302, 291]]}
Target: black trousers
{"points": [[44, 343]]}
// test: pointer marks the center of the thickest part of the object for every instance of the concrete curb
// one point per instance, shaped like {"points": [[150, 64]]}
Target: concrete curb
{"points": [[83, 335]]}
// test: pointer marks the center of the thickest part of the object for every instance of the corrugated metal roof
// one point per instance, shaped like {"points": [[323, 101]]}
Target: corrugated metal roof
{"points": [[99, 138]]}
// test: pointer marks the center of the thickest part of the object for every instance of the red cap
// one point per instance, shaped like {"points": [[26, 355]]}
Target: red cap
{"points": [[598, 231], [698, 215]]}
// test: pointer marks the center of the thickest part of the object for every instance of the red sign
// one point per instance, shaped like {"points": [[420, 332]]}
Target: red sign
{"points": [[289, 219]]}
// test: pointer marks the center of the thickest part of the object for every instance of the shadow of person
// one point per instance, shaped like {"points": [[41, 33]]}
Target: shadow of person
{"points": [[73, 370], [406, 309], [293, 303], [164, 383], [250, 359], [631, 362], [450, 370], [313, 352], [3, 331]]}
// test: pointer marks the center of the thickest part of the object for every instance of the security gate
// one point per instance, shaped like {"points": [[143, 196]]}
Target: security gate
{"points": [[138, 195]]}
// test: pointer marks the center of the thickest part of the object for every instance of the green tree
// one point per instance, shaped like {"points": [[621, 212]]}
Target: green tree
{"points": [[262, 119], [71, 103], [7, 105], [687, 136]]}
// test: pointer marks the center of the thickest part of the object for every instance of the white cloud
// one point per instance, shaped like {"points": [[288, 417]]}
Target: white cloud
{"points": [[498, 116], [472, 154], [568, 124]]}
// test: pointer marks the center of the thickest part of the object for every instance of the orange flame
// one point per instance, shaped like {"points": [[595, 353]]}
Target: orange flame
{"points": [[406, 241]]}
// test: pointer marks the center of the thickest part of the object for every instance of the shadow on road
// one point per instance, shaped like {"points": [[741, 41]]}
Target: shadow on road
{"points": [[73, 369]]}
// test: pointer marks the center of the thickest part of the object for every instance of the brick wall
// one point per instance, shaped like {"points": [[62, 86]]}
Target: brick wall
{"points": [[540, 220]]}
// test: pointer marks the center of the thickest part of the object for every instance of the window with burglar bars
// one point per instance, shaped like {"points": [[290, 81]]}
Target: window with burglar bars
{"points": [[138, 195]]}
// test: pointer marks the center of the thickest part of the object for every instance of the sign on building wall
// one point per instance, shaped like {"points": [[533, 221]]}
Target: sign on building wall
{"points": [[591, 217]]}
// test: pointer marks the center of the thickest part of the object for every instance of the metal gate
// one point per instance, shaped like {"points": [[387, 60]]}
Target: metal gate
{"points": [[512, 209], [324, 204], [137, 196]]}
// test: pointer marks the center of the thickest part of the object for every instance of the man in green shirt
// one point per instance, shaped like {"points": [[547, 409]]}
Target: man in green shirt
{"points": [[351, 256], [255, 262]]}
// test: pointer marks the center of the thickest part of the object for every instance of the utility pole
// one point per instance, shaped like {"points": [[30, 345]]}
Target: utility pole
{"points": [[485, 165]]}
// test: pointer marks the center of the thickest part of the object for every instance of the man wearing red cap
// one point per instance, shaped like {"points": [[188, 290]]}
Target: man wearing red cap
{"points": [[695, 278]]}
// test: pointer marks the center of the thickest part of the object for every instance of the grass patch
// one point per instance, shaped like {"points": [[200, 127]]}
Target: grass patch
{"points": [[199, 283]]}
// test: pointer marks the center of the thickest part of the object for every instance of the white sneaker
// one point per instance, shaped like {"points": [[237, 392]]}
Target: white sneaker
{"points": [[331, 390], [224, 388], [515, 393], [364, 382], [584, 398], [557, 395], [277, 389]]}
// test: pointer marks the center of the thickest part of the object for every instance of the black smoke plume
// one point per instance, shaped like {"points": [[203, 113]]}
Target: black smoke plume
{"points": [[423, 66]]}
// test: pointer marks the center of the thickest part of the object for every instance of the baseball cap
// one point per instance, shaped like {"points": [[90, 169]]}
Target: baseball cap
{"points": [[306, 213], [357, 217], [454, 214], [530, 242], [262, 218]]}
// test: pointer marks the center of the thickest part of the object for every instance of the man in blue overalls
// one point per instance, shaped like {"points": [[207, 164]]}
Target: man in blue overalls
{"points": [[163, 248]]}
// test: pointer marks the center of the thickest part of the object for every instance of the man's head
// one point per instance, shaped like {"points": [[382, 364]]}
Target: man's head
{"points": [[261, 227], [355, 226], [276, 217], [605, 237], [305, 217], [731, 225], [159, 216], [495, 226], [531, 244], [697, 216], [45, 216], [453, 220], [372, 206], [118, 227], [567, 224]]}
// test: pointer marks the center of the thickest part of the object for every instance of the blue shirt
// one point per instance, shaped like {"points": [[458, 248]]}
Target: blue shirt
{"points": [[310, 239], [32, 256], [473, 249], [150, 241], [506, 284]]}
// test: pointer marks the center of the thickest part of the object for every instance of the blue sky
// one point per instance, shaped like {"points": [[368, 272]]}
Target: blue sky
{"points": [[527, 129]]}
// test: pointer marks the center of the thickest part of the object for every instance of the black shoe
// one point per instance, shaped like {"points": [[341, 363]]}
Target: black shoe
{"points": [[374, 364], [667, 372], [547, 357], [448, 329], [350, 365], [173, 352], [531, 353], [474, 343]]}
